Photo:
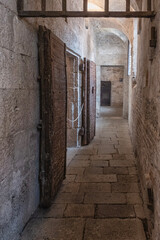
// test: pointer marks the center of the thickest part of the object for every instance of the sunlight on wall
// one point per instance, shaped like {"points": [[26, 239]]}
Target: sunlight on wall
{"points": [[94, 7]]}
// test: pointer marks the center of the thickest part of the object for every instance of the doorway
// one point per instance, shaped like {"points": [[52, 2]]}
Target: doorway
{"points": [[106, 93], [74, 102]]}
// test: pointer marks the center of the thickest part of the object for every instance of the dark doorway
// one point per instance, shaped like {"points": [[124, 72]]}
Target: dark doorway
{"points": [[105, 93]]}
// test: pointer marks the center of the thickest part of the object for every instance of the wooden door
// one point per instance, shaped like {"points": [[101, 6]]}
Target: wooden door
{"points": [[91, 100], [105, 93], [53, 114]]}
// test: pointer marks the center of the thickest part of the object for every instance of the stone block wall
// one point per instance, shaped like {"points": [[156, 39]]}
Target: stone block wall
{"points": [[19, 109], [145, 117], [19, 116]]}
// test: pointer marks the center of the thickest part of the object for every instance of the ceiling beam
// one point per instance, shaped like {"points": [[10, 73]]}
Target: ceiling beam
{"points": [[84, 14]]}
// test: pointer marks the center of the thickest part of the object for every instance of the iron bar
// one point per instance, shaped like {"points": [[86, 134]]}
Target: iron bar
{"points": [[43, 5], [64, 5], [20, 5], [128, 5], [85, 6], [106, 5], [149, 5]]}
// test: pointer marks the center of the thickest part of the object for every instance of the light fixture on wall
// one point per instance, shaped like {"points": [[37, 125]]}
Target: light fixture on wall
{"points": [[153, 41]]}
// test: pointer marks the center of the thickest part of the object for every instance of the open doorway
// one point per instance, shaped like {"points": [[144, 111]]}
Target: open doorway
{"points": [[74, 102], [112, 90], [105, 93]]}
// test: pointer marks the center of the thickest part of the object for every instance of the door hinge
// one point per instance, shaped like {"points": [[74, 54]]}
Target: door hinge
{"points": [[39, 126], [42, 175], [38, 79]]}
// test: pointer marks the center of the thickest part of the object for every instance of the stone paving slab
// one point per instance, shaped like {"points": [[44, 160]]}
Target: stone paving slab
{"points": [[75, 170], [55, 211], [127, 178], [101, 157], [119, 156], [115, 211], [133, 170], [125, 187], [125, 150], [86, 151], [54, 229], [134, 198], [77, 163], [97, 178], [93, 170], [114, 229], [100, 163], [139, 210], [121, 163], [69, 178], [69, 198], [70, 187], [108, 198], [80, 156], [103, 150], [116, 170], [95, 187], [79, 210]]}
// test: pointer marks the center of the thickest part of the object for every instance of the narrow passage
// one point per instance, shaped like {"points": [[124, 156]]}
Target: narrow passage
{"points": [[100, 198]]}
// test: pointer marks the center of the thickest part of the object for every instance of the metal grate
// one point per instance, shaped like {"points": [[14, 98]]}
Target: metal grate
{"points": [[149, 13]]}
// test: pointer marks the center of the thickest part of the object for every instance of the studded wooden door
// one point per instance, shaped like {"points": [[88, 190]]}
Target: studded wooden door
{"points": [[53, 95], [91, 100]]}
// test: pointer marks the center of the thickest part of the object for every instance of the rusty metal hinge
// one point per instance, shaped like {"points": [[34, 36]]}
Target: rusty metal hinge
{"points": [[42, 175], [39, 126], [38, 79]]}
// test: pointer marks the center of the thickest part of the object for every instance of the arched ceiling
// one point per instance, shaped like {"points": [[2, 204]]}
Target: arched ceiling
{"points": [[125, 26], [116, 32], [121, 24]]}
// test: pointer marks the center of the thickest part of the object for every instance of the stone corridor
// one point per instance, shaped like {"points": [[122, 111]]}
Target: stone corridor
{"points": [[100, 198]]}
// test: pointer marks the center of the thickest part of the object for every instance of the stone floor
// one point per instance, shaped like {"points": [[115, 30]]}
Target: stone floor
{"points": [[111, 112], [100, 198]]}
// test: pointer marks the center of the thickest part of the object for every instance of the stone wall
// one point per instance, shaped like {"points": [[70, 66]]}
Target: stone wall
{"points": [[19, 109], [145, 118], [19, 116]]}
